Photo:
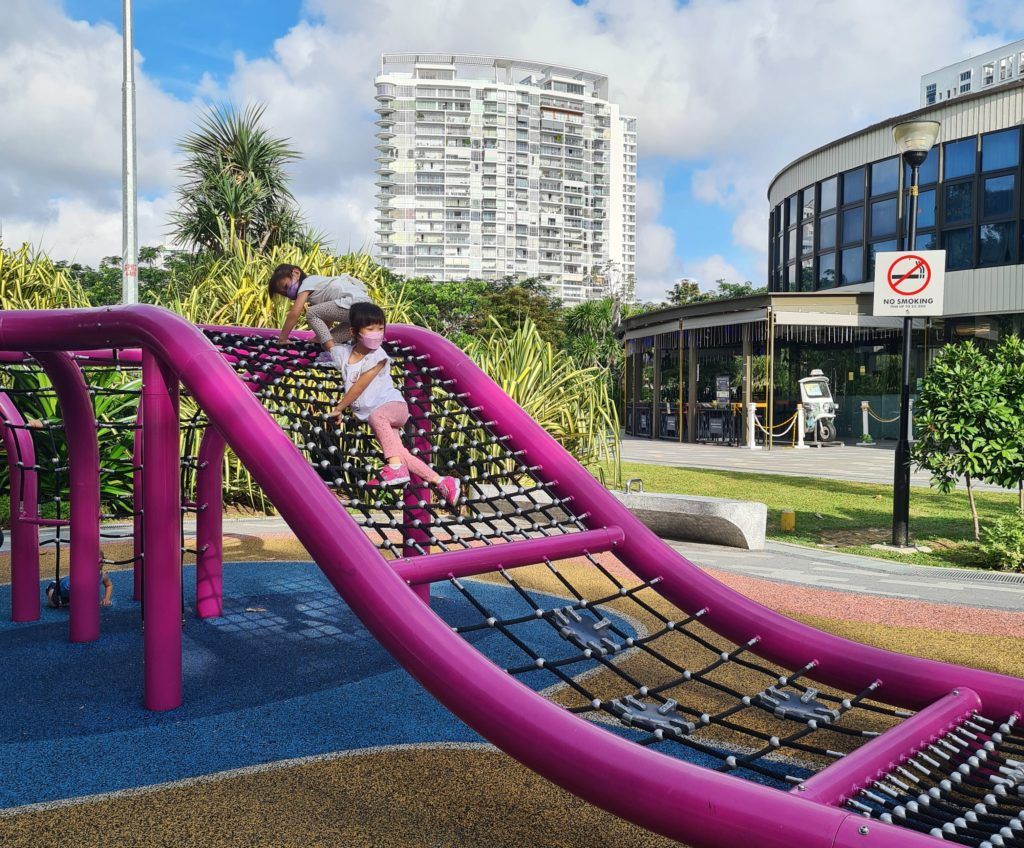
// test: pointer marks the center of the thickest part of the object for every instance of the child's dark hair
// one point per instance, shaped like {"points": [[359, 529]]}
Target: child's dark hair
{"points": [[362, 315], [282, 272]]}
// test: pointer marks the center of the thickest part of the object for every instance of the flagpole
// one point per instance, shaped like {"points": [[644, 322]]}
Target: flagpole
{"points": [[130, 242]]}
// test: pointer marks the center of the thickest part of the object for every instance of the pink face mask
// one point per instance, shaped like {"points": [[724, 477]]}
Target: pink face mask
{"points": [[371, 340]]}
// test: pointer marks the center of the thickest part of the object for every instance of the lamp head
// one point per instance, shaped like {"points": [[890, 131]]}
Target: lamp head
{"points": [[914, 139]]}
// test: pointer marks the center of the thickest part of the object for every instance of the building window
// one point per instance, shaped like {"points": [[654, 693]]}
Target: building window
{"points": [[827, 232], [997, 197], [960, 158], [959, 203], [807, 275], [808, 203], [884, 176], [925, 210], [791, 207], [929, 94], [965, 76], [988, 74], [827, 194], [874, 249], [965, 87], [959, 248], [997, 243], [1005, 68], [807, 238], [827, 271], [1000, 150], [883, 218], [928, 173], [852, 268], [853, 186], [853, 225]]}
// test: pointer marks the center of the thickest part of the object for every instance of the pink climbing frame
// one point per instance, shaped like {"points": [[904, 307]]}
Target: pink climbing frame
{"points": [[666, 795]]}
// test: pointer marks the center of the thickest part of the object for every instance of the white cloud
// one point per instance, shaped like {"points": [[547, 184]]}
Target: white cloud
{"points": [[741, 87], [712, 268]]}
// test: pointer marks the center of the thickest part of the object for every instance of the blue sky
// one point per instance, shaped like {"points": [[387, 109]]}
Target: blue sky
{"points": [[726, 93]]}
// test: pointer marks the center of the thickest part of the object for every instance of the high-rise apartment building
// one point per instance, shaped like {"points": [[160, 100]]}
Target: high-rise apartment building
{"points": [[493, 167], [979, 73]]}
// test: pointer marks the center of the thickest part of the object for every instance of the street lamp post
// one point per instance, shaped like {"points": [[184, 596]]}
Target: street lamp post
{"points": [[129, 212], [913, 140]]}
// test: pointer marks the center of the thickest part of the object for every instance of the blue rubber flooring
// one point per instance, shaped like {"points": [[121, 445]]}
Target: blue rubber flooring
{"points": [[287, 672]]}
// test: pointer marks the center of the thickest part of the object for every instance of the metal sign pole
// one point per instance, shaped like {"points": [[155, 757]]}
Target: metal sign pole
{"points": [[130, 219], [901, 473]]}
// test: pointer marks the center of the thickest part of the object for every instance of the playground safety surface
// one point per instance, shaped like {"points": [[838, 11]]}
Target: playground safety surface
{"points": [[307, 734]]}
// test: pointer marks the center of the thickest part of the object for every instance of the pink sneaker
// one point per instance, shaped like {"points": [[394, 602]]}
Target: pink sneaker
{"points": [[450, 489], [389, 476]]}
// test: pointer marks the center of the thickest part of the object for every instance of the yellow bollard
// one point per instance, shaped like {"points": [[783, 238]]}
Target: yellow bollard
{"points": [[787, 520]]}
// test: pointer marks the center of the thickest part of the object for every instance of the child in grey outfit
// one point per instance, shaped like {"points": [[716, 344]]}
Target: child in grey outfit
{"points": [[325, 300]]}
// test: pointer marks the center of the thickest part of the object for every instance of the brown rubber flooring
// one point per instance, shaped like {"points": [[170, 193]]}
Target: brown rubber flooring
{"points": [[472, 797]]}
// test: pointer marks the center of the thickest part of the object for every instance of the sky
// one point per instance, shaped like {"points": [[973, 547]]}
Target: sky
{"points": [[726, 93]]}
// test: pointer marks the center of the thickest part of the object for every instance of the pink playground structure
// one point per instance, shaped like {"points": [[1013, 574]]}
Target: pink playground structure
{"points": [[728, 743]]}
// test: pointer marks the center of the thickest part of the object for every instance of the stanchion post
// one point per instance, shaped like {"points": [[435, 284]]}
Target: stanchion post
{"points": [[865, 429], [161, 504], [800, 425], [752, 427]]}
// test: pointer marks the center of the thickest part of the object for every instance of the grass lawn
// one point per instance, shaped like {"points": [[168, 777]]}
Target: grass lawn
{"points": [[842, 515]]}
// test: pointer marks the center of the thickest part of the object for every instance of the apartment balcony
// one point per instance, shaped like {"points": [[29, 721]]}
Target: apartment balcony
{"points": [[385, 92], [385, 167], [385, 133], [384, 182], [387, 119]]}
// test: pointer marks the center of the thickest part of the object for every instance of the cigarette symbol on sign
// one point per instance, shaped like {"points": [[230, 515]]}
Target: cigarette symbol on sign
{"points": [[909, 275]]}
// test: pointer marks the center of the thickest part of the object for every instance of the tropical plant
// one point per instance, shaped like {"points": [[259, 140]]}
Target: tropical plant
{"points": [[231, 289], [965, 427], [30, 280], [1008, 360], [235, 186], [1003, 542], [569, 401]]}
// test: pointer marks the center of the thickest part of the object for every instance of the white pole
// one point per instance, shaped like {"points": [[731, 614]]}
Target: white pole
{"points": [[130, 242], [800, 424], [752, 427], [864, 420]]}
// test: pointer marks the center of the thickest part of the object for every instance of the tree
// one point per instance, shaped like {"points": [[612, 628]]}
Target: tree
{"points": [[688, 291], [1008, 470], [235, 185], [160, 272], [965, 426]]}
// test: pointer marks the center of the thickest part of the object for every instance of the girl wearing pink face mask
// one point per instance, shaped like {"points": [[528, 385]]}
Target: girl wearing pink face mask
{"points": [[372, 396]]}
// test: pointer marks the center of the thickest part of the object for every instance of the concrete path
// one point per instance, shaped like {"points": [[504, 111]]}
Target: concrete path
{"points": [[847, 462], [858, 575], [781, 563]]}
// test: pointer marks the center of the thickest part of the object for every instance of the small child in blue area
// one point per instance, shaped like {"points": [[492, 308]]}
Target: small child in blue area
{"points": [[59, 594], [371, 395]]}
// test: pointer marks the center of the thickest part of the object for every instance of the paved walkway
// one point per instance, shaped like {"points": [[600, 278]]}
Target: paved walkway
{"points": [[782, 563], [824, 569], [847, 462]]}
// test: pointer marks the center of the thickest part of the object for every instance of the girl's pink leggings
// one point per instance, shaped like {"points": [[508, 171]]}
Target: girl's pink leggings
{"points": [[387, 421]]}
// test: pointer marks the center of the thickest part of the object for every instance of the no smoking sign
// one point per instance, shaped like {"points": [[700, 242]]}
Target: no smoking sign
{"points": [[909, 283]]}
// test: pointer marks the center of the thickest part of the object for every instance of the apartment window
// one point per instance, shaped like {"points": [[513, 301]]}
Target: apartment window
{"points": [[853, 186], [1005, 68], [965, 87], [884, 176], [1000, 150], [988, 74], [965, 76], [960, 158], [929, 93], [827, 194]]}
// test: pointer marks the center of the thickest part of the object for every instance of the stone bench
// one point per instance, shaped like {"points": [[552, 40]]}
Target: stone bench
{"points": [[693, 518]]}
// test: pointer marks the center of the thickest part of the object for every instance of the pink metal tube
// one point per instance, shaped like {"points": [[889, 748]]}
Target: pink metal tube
{"points": [[415, 519], [667, 795], [21, 458], [161, 505], [210, 525], [846, 777], [84, 485], [435, 567], [137, 523]]}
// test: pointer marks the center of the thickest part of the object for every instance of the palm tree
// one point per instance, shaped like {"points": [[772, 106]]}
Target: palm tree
{"points": [[235, 186]]}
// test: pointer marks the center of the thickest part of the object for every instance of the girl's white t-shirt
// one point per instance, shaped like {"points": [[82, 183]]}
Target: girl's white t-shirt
{"points": [[343, 290], [381, 389]]}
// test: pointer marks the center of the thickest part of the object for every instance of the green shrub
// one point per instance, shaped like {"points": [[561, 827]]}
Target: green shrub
{"points": [[1003, 542]]}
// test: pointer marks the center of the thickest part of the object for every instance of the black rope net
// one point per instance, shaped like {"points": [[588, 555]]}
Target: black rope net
{"points": [[966, 787], [596, 639]]}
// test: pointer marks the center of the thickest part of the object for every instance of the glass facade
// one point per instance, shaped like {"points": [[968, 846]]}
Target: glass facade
{"points": [[969, 204]]}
